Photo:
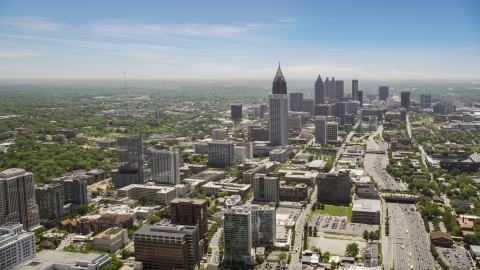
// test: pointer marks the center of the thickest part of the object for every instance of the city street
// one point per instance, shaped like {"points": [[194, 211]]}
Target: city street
{"points": [[213, 258]]}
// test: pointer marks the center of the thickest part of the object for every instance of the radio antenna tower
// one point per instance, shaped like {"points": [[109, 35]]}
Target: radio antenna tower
{"points": [[125, 80]]}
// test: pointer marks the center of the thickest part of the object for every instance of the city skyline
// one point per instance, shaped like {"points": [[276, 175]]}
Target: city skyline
{"points": [[376, 40]]}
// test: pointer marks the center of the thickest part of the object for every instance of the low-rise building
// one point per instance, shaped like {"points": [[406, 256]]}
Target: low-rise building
{"points": [[111, 240], [441, 239], [366, 211], [305, 177], [160, 194], [213, 187], [54, 259], [280, 154]]}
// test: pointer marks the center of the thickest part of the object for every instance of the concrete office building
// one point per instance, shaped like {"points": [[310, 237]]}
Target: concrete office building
{"points": [[323, 110], [360, 98], [403, 115], [221, 153], [355, 90], [279, 85], [332, 131], [339, 93], [219, 134], [111, 240], [16, 245], [163, 166], [236, 111], [130, 161], [17, 199], [250, 174], [263, 225], [383, 93], [74, 190], [448, 107], [50, 200], [321, 129], [366, 211], [425, 100], [319, 91], [240, 153], [334, 187], [341, 108], [166, 247], [296, 99], [237, 236], [278, 124], [191, 212], [160, 194], [451, 97], [352, 107], [266, 189], [308, 105], [405, 99], [263, 109]]}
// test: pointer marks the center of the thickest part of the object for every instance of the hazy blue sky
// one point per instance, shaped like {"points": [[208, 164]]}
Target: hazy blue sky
{"points": [[240, 39]]}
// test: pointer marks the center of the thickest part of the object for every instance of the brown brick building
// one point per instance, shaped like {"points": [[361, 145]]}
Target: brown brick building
{"points": [[167, 247], [191, 212]]}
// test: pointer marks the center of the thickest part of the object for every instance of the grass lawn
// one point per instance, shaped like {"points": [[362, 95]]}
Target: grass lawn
{"points": [[334, 210]]}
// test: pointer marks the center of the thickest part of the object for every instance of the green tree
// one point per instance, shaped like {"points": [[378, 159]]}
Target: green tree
{"points": [[82, 210], [352, 250], [282, 256], [143, 199], [125, 253], [366, 235], [153, 219], [326, 256]]}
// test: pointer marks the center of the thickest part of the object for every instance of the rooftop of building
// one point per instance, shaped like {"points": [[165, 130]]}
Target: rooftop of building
{"points": [[110, 233], [437, 235], [188, 201], [166, 230], [46, 258], [308, 174], [366, 205], [159, 188], [12, 172]]}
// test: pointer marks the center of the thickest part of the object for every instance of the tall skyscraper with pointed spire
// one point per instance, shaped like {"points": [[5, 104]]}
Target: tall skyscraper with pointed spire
{"points": [[278, 129], [279, 83], [319, 91]]}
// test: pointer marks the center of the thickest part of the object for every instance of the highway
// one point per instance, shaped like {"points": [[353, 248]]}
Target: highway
{"points": [[375, 164], [408, 242]]}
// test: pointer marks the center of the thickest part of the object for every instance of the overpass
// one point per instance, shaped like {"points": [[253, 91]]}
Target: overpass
{"points": [[400, 198], [381, 152]]}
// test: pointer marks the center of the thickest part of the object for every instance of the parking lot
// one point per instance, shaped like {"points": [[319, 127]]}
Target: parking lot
{"points": [[457, 258], [339, 224]]}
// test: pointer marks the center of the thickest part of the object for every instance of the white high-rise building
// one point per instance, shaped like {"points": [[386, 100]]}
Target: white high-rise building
{"points": [[321, 129], [16, 245], [237, 236], [266, 188], [278, 119], [163, 166]]}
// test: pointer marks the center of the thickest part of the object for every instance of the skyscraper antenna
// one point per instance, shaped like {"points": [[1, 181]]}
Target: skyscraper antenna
{"points": [[278, 64], [125, 80]]}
